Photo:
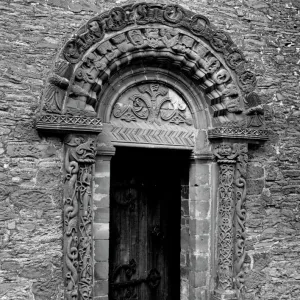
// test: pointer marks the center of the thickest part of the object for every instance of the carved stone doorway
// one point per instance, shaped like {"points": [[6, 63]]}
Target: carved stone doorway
{"points": [[158, 76], [145, 218]]}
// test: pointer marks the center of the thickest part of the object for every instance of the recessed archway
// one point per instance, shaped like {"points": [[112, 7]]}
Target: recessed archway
{"points": [[156, 76]]}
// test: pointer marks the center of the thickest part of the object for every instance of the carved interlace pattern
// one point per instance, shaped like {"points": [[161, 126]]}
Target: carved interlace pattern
{"points": [[232, 159], [225, 242], [78, 267]]}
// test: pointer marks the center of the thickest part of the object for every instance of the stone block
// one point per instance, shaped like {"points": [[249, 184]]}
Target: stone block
{"points": [[199, 209], [101, 215], [182, 259], [200, 263], [255, 186], [6, 213], [254, 171], [184, 273], [100, 288], [184, 289], [184, 192], [101, 200], [201, 140], [49, 177], [101, 298], [199, 227], [102, 185], [10, 265], [185, 207], [198, 279], [102, 168], [35, 150], [185, 239], [101, 250], [203, 193], [201, 294], [291, 173], [202, 174], [199, 243], [11, 225], [31, 199], [101, 231], [101, 270], [192, 193], [200, 193]]}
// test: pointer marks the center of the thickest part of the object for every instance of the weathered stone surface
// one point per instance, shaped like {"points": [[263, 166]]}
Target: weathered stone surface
{"points": [[33, 199], [30, 194]]}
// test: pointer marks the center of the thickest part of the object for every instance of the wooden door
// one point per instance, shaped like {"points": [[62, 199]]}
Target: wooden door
{"points": [[145, 225]]}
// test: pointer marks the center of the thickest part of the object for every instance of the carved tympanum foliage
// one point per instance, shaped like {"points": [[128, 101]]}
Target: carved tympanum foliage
{"points": [[152, 103], [78, 272]]}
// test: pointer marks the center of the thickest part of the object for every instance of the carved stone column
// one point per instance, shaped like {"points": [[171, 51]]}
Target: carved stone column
{"points": [[240, 218], [78, 264], [232, 159]]}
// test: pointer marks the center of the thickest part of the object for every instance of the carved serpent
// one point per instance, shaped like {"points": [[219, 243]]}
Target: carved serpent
{"points": [[72, 254]]}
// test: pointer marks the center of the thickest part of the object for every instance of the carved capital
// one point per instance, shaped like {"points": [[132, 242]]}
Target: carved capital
{"points": [[228, 152], [78, 266]]}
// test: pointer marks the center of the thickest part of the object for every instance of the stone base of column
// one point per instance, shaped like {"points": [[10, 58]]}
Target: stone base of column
{"points": [[224, 295]]}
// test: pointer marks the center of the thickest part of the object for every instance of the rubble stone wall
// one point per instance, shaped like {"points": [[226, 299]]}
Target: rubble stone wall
{"points": [[32, 33]]}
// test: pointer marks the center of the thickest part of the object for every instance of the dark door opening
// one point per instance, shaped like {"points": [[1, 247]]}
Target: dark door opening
{"points": [[145, 214]]}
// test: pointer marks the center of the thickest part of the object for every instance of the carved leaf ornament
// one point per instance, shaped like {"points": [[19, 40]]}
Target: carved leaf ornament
{"points": [[153, 103]]}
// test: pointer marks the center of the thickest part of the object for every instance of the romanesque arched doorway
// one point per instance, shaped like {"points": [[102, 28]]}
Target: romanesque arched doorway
{"points": [[159, 77]]}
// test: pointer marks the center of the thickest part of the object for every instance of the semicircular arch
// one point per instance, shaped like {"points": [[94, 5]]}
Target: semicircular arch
{"points": [[167, 36]]}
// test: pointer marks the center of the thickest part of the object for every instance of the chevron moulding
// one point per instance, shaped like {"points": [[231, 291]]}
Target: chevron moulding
{"points": [[153, 136]]}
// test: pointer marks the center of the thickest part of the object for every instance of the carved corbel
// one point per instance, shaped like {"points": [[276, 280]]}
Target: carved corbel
{"points": [[78, 266], [232, 160]]}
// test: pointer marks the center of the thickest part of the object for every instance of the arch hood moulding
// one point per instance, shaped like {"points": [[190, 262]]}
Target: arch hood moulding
{"points": [[169, 38]]}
